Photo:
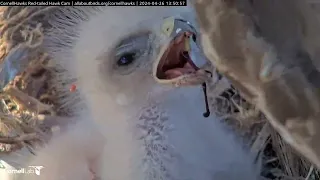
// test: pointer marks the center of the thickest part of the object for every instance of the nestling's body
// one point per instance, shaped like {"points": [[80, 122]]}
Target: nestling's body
{"points": [[135, 125]]}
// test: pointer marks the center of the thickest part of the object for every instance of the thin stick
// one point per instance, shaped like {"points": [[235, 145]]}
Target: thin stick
{"points": [[309, 173], [204, 88], [17, 139]]}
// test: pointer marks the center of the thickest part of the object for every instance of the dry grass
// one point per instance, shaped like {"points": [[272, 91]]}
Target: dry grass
{"points": [[28, 100]]}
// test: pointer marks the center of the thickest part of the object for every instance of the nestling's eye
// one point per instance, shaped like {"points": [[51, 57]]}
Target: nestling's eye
{"points": [[130, 52], [126, 59]]}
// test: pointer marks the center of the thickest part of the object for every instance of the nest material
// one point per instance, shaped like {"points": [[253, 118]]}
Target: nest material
{"points": [[29, 100]]}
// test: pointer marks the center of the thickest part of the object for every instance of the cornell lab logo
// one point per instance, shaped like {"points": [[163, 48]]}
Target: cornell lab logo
{"points": [[37, 169]]}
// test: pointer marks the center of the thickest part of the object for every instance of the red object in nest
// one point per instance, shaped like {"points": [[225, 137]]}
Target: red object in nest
{"points": [[73, 88]]}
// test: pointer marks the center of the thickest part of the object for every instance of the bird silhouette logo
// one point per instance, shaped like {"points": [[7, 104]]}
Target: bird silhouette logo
{"points": [[37, 169]]}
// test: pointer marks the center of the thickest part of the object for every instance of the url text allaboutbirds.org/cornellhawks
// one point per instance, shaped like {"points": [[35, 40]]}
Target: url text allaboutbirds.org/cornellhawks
{"points": [[35, 3]]}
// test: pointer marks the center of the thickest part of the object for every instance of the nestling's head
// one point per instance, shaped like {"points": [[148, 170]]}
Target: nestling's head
{"points": [[128, 62]]}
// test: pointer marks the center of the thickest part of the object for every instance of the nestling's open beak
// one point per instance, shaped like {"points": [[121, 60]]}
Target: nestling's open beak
{"points": [[180, 61]]}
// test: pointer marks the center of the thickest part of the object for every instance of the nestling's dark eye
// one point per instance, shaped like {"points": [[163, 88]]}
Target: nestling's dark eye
{"points": [[126, 59]]}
